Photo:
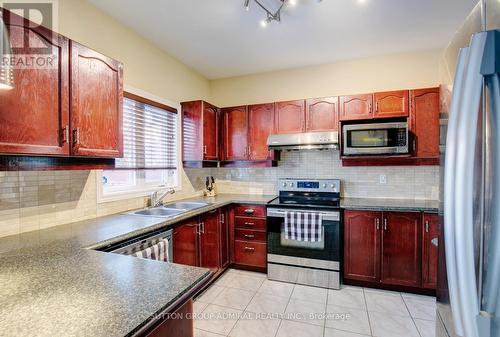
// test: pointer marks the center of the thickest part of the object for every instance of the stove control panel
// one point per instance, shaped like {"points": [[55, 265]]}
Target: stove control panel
{"points": [[309, 185]]}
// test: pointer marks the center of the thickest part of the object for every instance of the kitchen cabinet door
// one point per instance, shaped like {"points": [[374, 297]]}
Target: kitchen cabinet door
{"points": [[96, 104], [185, 241], [290, 117], [424, 122], [391, 104], [210, 132], [34, 115], [235, 133], [224, 238], [401, 248], [362, 232], [260, 127], [430, 242], [209, 248], [322, 114], [356, 107]]}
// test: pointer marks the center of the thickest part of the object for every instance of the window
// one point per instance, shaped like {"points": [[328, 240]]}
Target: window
{"points": [[149, 147]]}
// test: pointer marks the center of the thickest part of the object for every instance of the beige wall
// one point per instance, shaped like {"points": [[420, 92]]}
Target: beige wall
{"points": [[147, 67], [411, 70]]}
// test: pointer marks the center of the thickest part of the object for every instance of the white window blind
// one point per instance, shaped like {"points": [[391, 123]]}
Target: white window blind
{"points": [[149, 137]]}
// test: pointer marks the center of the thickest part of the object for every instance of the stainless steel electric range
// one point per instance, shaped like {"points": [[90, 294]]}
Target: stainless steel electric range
{"points": [[305, 262]]}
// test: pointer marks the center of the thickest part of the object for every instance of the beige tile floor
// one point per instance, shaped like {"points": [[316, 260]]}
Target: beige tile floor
{"points": [[246, 304]]}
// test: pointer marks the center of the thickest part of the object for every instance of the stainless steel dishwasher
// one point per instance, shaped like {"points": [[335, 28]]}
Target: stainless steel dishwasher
{"points": [[146, 242]]}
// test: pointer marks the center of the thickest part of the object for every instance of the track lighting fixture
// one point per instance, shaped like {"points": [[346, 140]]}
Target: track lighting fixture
{"points": [[271, 15]]}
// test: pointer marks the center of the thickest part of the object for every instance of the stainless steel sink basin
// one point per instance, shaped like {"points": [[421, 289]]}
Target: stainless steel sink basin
{"points": [[186, 205], [169, 210], [159, 212]]}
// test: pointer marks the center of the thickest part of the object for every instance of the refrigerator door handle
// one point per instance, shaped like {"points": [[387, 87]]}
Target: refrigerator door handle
{"points": [[464, 186], [449, 192]]}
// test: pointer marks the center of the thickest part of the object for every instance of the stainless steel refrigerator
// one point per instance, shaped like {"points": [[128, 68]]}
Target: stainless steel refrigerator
{"points": [[468, 290]]}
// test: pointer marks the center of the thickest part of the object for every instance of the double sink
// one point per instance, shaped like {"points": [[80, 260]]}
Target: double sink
{"points": [[169, 210]]}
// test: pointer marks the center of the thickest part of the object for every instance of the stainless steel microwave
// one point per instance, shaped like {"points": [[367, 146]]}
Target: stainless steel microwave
{"points": [[375, 139]]}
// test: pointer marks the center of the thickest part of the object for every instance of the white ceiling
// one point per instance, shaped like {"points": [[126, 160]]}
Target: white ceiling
{"points": [[218, 38]]}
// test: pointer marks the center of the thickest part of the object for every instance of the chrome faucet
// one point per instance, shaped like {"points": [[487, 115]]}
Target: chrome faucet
{"points": [[156, 198]]}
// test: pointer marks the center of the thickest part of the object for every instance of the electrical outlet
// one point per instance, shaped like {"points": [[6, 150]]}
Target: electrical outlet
{"points": [[383, 179]]}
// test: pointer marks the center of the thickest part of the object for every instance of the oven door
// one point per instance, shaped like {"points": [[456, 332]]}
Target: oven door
{"points": [[379, 138], [328, 248]]}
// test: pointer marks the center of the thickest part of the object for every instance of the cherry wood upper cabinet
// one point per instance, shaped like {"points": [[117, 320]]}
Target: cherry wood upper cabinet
{"points": [[260, 126], [362, 245], [322, 114], [290, 117], [185, 241], [430, 243], [96, 103], [235, 133], [356, 107], [200, 135], [210, 132], [401, 249], [424, 122], [209, 248], [391, 104], [34, 115]]}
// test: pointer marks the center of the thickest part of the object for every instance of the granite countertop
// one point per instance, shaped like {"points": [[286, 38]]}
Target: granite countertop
{"points": [[380, 204], [50, 285]]}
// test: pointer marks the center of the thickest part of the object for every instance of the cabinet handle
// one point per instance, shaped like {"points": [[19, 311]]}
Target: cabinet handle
{"points": [[249, 151], [204, 149], [76, 136], [427, 226], [377, 223], [222, 218], [376, 106], [249, 236], [370, 107], [249, 249], [249, 223], [385, 224], [249, 211], [201, 228], [65, 135]]}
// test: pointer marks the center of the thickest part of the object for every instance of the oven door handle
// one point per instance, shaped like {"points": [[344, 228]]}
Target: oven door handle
{"points": [[328, 216]]}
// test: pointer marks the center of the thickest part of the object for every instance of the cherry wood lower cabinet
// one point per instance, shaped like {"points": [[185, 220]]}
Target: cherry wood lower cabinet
{"points": [[401, 253], [250, 240], [390, 249], [181, 323], [430, 243], [203, 241], [225, 247], [209, 248], [185, 241], [362, 245]]}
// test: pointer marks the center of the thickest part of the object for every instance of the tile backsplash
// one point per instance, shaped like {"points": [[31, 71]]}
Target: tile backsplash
{"points": [[403, 182], [35, 200]]}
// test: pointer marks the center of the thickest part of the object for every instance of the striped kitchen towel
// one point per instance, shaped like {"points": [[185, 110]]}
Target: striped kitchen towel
{"points": [[158, 251], [303, 226]]}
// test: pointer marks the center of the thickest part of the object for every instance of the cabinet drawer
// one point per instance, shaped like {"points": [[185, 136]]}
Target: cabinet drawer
{"points": [[250, 253], [249, 235], [249, 223], [250, 211]]}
